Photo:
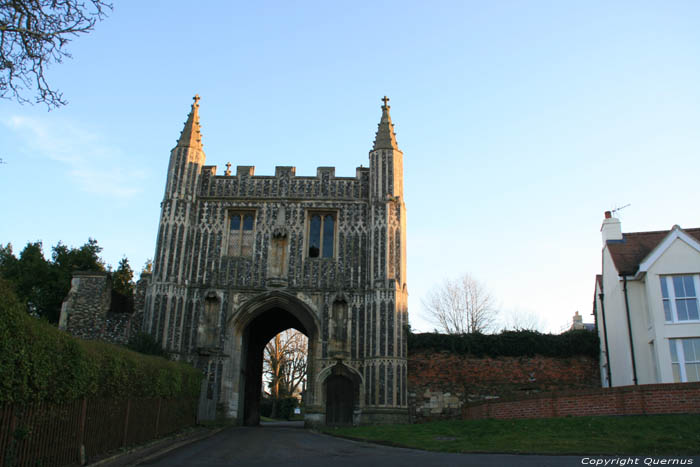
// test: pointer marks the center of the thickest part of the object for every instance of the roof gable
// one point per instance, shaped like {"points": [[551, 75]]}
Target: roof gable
{"points": [[637, 251]]}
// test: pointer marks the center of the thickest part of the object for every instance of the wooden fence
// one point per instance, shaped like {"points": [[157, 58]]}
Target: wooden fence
{"points": [[76, 432]]}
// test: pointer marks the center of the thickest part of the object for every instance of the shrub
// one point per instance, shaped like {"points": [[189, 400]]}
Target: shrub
{"points": [[145, 343], [40, 363], [286, 406], [266, 406], [510, 343]]}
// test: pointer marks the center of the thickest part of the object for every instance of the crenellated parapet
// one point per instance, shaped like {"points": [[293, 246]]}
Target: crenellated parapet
{"points": [[284, 184]]}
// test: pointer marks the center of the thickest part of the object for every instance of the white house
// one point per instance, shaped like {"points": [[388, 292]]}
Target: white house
{"points": [[646, 305]]}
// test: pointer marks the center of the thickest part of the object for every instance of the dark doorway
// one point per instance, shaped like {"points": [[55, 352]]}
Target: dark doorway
{"points": [[339, 400]]}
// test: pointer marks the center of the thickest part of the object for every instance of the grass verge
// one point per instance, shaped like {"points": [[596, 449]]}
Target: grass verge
{"points": [[640, 435]]}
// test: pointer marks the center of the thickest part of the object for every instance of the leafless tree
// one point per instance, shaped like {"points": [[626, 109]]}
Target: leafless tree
{"points": [[522, 320], [34, 34], [285, 362], [461, 305]]}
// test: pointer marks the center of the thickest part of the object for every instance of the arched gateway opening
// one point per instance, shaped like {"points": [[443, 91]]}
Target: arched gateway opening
{"points": [[263, 328], [257, 322]]}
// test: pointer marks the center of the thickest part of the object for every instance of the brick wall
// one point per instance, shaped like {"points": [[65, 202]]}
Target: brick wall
{"points": [[443, 384], [625, 400]]}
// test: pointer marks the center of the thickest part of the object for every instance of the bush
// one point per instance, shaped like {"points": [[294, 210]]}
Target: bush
{"points": [[286, 406], [266, 406], [510, 343], [40, 363], [144, 343]]}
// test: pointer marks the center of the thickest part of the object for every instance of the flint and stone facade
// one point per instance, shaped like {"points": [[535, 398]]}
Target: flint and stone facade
{"points": [[87, 310], [324, 254]]}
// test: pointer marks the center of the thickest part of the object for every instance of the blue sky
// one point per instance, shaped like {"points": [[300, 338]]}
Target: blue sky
{"points": [[520, 122]]}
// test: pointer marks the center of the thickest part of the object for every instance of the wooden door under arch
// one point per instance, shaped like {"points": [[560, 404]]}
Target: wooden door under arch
{"points": [[339, 400]]}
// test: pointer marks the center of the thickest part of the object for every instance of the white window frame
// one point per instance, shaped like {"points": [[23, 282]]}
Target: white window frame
{"points": [[672, 297], [682, 362]]}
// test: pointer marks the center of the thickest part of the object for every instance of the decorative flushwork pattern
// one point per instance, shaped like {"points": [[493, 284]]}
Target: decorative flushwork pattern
{"points": [[203, 274]]}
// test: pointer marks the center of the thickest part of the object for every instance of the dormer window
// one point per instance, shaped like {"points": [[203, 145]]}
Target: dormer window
{"points": [[680, 299], [240, 236], [321, 234]]}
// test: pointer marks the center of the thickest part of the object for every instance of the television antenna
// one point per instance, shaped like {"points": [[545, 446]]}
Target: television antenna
{"points": [[616, 210]]}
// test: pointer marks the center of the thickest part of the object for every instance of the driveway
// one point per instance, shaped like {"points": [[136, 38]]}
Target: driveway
{"points": [[288, 444]]}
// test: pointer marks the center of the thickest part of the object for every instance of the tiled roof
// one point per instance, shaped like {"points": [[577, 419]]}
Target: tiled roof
{"points": [[636, 246]]}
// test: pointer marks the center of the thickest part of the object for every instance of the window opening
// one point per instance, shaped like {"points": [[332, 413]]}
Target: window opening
{"points": [[679, 298], [685, 359], [240, 238], [321, 235]]}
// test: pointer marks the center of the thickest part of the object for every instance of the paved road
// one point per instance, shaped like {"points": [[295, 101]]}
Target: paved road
{"points": [[290, 445]]}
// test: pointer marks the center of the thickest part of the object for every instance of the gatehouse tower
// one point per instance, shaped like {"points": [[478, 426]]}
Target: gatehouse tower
{"points": [[241, 257]]}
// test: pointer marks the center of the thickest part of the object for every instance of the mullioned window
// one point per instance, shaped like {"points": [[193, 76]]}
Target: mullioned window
{"points": [[240, 237]]}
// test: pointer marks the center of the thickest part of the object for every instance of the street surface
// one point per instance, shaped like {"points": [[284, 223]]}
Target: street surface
{"points": [[287, 444]]}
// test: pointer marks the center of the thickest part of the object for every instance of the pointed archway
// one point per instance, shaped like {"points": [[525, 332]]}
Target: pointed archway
{"points": [[256, 322]]}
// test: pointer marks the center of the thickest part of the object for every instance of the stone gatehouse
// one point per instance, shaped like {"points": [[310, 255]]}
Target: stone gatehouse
{"points": [[241, 257]]}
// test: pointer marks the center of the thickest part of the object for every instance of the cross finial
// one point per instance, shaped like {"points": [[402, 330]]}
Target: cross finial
{"points": [[386, 100], [228, 169], [196, 99]]}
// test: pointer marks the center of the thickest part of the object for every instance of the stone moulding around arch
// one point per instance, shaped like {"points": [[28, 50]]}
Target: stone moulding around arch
{"points": [[328, 370], [266, 301]]}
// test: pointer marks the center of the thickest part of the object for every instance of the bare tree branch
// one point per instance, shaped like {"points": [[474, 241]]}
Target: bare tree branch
{"points": [[522, 320], [461, 305], [33, 35], [284, 362]]}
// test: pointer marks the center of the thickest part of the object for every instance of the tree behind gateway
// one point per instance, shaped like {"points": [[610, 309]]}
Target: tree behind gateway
{"points": [[284, 366]]}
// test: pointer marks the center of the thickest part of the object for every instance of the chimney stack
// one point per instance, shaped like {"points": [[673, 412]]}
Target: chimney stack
{"points": [[578, 321], [611, 228]]}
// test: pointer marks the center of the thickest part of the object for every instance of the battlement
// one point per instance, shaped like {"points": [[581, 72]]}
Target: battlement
{"points": [[284, 183], [281, 171]]}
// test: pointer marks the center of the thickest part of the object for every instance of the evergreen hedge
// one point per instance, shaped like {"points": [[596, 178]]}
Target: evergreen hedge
{"points": [[510, 343], [40, 363]]}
